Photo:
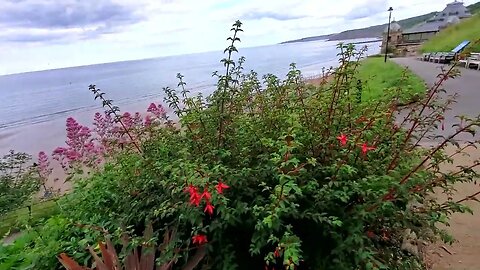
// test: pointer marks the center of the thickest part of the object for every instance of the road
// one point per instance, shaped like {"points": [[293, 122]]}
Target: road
{"points": [[467, 86]]}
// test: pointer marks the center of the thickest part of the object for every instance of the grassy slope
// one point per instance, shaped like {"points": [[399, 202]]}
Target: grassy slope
{"points": [[449, 38], [379, 77]]}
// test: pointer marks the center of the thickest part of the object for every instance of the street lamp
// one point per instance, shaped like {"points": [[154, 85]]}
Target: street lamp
{"points": [[388, 32]]}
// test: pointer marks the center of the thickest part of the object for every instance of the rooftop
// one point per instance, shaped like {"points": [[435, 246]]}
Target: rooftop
{"points": [[394, 27], [441, 19]]}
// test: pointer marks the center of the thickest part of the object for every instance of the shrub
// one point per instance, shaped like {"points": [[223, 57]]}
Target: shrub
{"points": [[275, 173], [18, 181]]}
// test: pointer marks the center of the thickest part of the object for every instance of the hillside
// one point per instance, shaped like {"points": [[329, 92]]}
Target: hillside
{"points": [[449, 38], [474, 8], [377, 30]]}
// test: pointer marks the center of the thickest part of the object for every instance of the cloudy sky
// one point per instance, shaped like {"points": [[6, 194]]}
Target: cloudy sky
{"points": [[45, 34]]}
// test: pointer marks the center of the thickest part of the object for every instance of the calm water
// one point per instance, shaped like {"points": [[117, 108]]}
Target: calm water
{"points": [[38, 97]]}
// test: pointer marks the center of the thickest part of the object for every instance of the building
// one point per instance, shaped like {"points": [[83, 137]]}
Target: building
{"points": [[412, 38], [452, 14], [394, 38]]}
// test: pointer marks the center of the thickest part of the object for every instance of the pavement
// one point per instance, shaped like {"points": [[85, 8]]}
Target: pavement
{"points": [[467, 86], [464, 254]]}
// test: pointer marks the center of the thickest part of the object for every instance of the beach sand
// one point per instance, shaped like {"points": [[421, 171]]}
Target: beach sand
{"points": [[49, 135]]}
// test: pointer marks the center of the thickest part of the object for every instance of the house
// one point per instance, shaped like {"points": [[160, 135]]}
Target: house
{"points": [[409, 40], [452, 14]]}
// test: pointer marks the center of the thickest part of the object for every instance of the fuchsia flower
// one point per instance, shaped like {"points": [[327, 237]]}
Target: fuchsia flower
{"points": [[221, 186], [195, 197], [342, 139], [366, 148], [199, 239], [206, 195], [209, 208]]}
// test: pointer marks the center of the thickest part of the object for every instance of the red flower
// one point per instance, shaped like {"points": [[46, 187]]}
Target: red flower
{"points": [[342, 139], [366, 148], [276, 253], [221, 186], [209, 208], [206, 195], [191, 189], [370, 234], [195, 199], [199, 239]]}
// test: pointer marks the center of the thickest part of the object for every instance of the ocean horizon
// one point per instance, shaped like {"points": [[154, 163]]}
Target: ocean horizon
{"points": [[47, 98]]}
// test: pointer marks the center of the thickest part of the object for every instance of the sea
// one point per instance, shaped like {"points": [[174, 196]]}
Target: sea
{"points": [[34, 100]]}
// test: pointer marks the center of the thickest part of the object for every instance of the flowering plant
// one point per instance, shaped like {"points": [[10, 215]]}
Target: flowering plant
{"points": [[279, 174]]}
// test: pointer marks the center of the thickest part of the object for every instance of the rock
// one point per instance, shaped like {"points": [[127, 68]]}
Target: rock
{"points": [[409, 243]]}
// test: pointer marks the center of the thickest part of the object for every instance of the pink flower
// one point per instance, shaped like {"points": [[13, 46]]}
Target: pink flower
{"points": [[127, 120], [342, 139], [137, 121], [148, 121], [220, 187], [199, 239], [44, 165], [366, 148], [209, 208], [80, 149], [157, 111]]}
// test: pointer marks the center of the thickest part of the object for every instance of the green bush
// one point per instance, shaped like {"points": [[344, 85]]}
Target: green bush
{"points": [[272, 172], [18, 181]]}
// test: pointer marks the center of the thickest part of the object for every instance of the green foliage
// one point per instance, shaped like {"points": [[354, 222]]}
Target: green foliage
{"points": [[37, 248], [18, 181], [32, 214], [379, 77], [446, 40], [270, 172]]}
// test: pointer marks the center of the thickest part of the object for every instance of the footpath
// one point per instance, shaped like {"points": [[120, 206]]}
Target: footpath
{"points": [[464, 254]]}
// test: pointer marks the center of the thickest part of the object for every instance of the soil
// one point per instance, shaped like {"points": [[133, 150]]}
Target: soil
{"points": [[464, 254]]}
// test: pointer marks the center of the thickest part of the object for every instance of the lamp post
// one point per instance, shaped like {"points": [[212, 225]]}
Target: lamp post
{"points": [[388, 32]]}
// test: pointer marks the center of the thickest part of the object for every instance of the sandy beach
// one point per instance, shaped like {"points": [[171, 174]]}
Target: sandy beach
{"points": [[49, 135]]}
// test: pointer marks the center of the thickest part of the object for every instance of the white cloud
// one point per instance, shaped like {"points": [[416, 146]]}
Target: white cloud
{"points": [[138, 29]]}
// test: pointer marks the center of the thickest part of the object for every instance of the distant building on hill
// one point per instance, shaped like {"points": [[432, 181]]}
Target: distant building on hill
{"points": [[408, 41]]}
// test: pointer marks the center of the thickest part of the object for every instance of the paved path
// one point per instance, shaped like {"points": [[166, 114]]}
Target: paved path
{"points": [[464, 227], [467, 86]]}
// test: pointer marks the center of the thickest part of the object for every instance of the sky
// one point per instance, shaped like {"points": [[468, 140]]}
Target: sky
{"points": [[47, 34]]}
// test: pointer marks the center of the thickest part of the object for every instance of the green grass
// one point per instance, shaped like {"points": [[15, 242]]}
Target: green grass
{"points": [[449, 38], [379, 77], [13, 220]]}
